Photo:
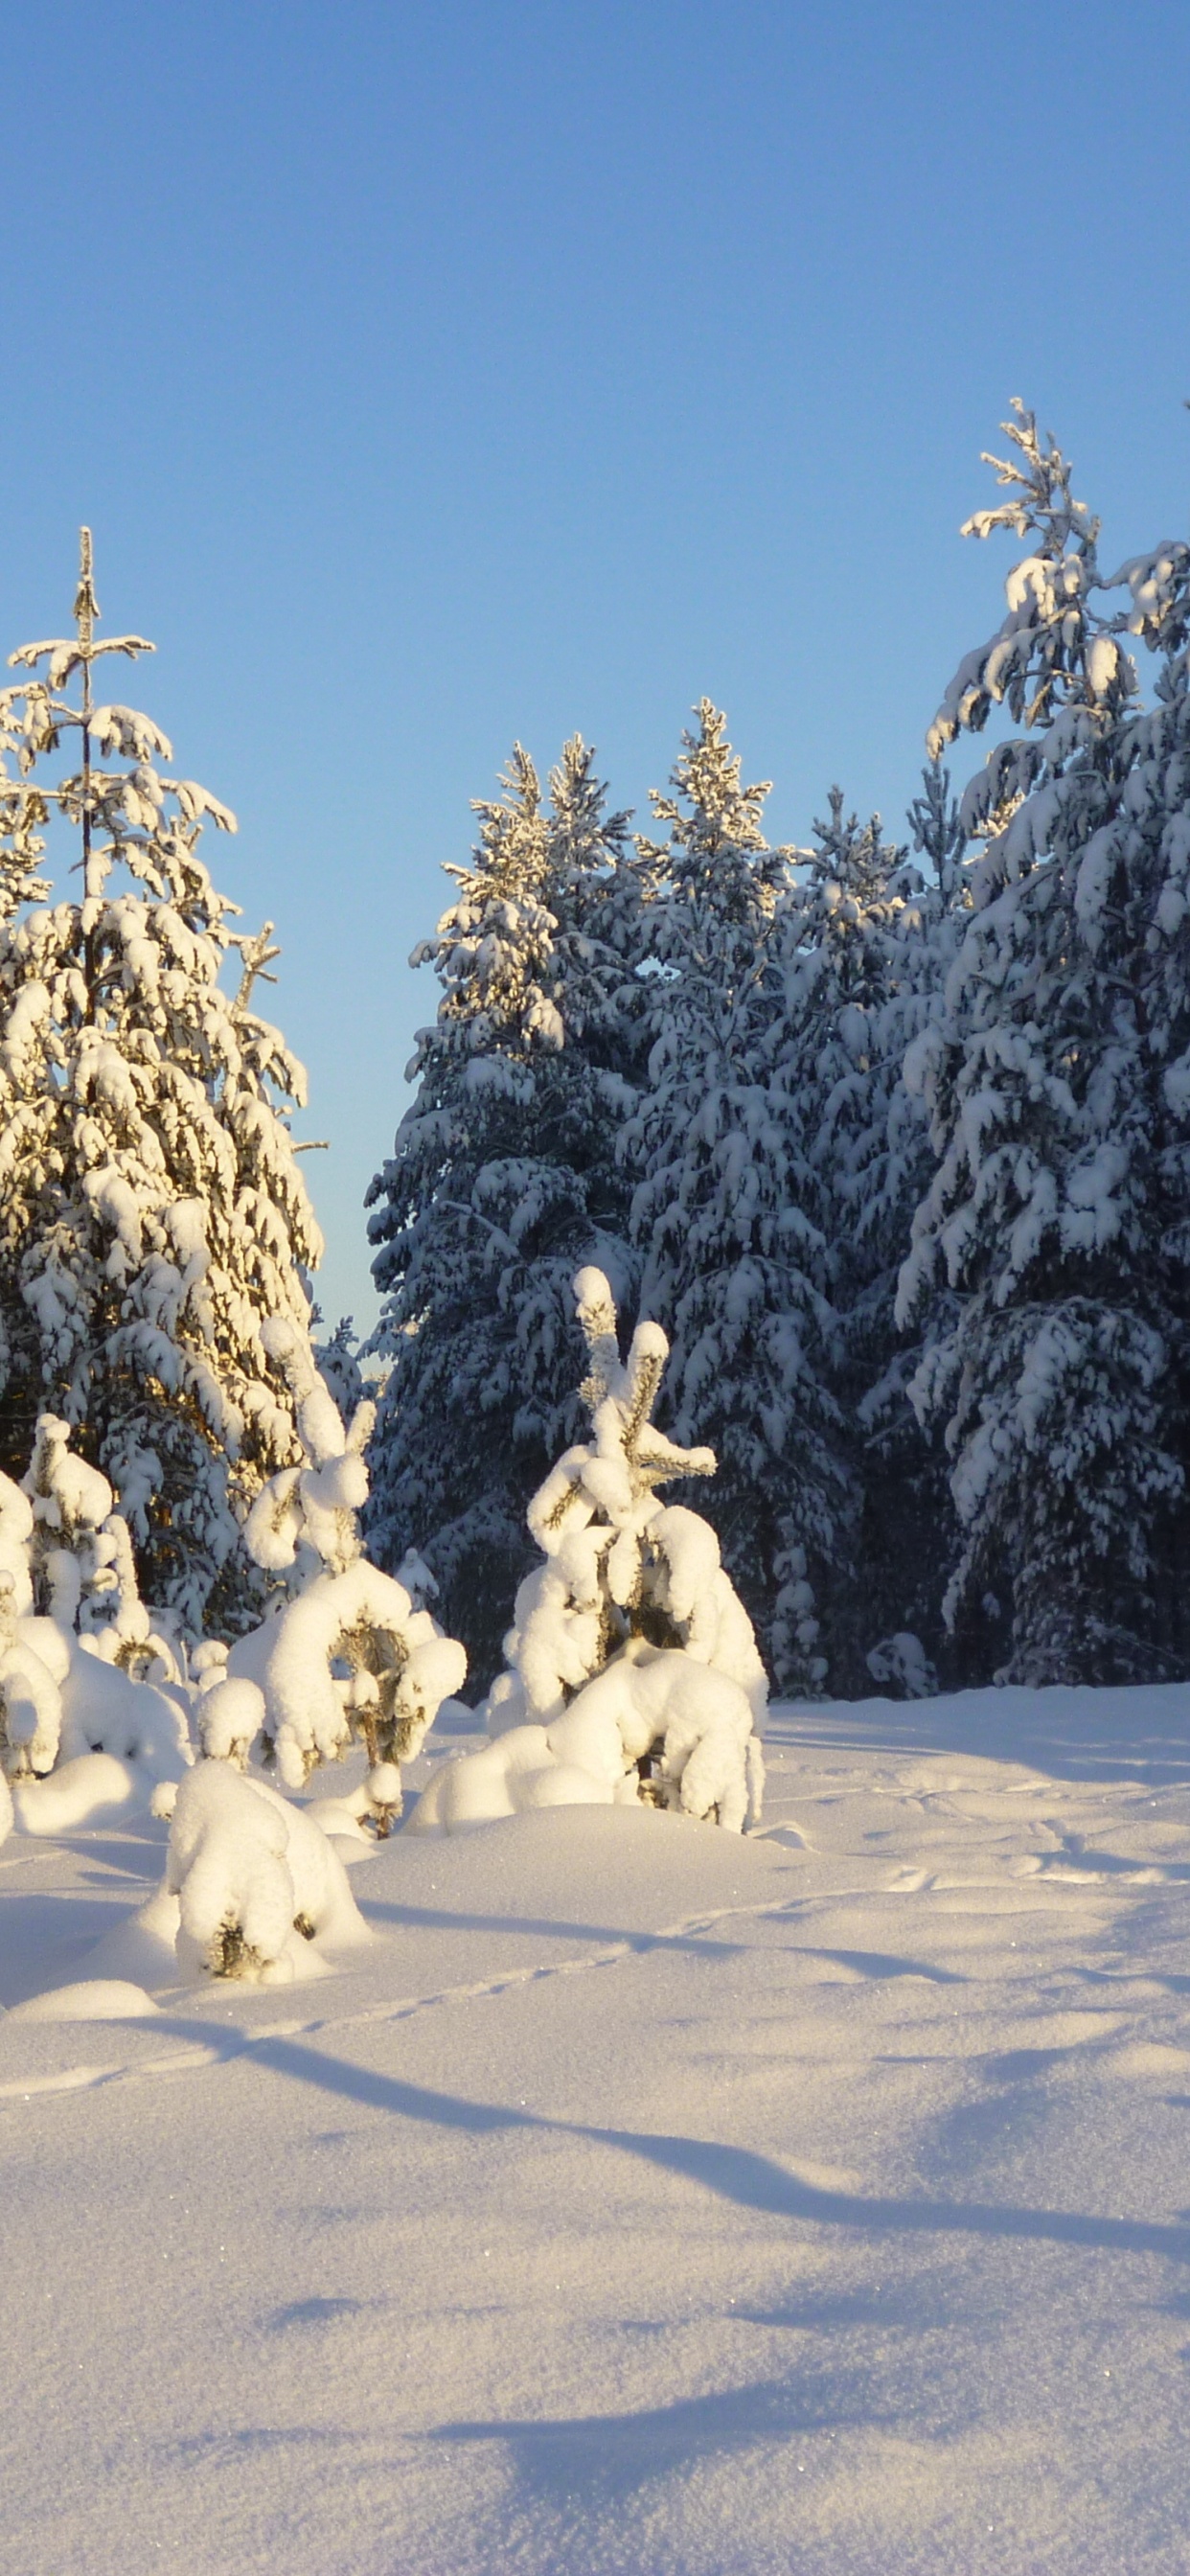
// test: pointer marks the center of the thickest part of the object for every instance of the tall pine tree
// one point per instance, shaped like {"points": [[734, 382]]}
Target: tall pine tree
{"points": [[859, 941], [1058, 1219], [736, 1266], [152, 1213], [504, 1179]]}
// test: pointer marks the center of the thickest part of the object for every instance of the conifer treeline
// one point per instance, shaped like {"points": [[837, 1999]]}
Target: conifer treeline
{"points": [[893, 1141]]}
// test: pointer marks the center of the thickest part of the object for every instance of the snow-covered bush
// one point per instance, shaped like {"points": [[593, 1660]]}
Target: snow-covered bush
{"points": [[396, 1669], [903, 1662], [307, 1516], [633, 1670], [89, 1692], [260, 1888], [349, 1658], [83, 1564]]}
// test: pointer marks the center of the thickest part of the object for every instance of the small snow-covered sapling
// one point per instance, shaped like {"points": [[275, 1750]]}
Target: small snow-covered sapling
{"points": [[633, 1670], [348, 1658]]}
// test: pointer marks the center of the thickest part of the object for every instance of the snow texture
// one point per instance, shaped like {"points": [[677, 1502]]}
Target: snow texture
{"points": [[637, 2196]]}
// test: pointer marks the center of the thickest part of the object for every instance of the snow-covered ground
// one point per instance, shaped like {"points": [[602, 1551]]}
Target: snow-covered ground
{"points": [[640, 2199]]}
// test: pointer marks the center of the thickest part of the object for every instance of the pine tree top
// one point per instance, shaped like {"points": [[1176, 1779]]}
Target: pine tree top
{"points": [[132, 816]]}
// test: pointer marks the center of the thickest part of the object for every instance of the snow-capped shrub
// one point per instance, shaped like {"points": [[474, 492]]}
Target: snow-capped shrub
{"points": [[81, 1558], [306, 1516], [902, 1661], [30, 1697], [654, 1725], [350, 1658], [260, 1889], [230, 1715], [394, 1671], [619, 1563], [78, 1703], [634, 1672]]}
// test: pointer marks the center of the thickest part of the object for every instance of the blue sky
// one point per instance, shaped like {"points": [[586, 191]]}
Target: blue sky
{"points": [[433, 376]]}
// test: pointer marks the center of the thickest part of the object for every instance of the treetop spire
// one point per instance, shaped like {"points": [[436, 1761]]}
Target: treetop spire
{"points": [[86, 606]]}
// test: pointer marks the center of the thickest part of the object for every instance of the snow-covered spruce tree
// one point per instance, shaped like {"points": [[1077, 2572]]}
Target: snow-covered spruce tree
{"points": [[863, 937], [337, 1362], [349, 1656], [634, 1674], [344, 1657], [735, 1262], [89, 1692], [151, 1209], [502, 1178], [1058, 1085]]}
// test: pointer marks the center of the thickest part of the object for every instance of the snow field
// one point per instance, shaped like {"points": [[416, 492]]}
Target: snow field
{"points": [[640, 2196]]}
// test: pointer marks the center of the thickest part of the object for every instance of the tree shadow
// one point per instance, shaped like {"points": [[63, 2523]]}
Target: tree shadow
{"points": [[884, 1963], [56, 1933], [316, 2312], [737, 2174], [1025, 2065], [433, 1918], [918, 2307], [605, 2455]]}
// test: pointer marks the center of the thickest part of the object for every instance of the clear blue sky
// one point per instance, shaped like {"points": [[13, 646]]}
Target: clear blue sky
{"points": [[437, 375]]}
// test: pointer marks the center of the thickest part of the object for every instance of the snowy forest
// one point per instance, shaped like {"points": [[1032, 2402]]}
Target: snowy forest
{"points": [[782, 1266], [889, 1135]]}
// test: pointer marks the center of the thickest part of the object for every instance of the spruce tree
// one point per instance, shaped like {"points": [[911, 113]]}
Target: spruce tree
{"points": [[152, 1213], [503, 1179], [736, 1265], [854, 936], [1059, 1096]]}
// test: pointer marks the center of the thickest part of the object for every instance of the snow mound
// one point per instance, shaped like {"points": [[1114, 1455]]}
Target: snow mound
{"points": [[95, 1999], [70, 1796]]}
